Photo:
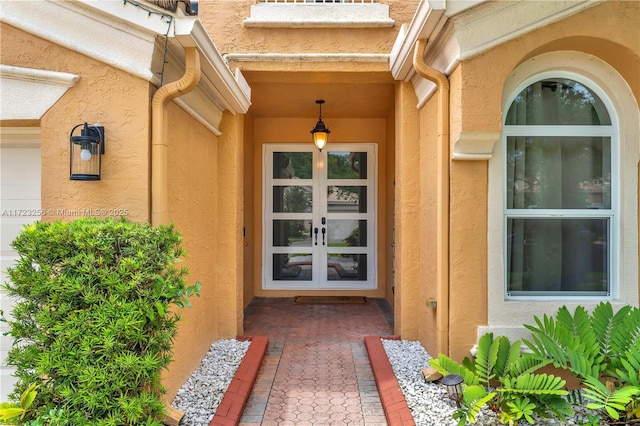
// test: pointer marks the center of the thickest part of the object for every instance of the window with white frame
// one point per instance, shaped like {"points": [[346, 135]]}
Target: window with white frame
{"points": [[559, 164]]}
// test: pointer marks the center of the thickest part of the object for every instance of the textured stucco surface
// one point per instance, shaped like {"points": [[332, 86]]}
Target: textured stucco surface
{"points": [[476, 105], [103, 95], [223, 19]]}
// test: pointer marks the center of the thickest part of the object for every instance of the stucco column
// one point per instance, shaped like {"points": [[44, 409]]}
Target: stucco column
{"points": [[230, 225], [407, 217]]}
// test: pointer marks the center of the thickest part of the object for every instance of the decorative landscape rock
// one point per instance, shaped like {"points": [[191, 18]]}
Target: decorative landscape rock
{"points": [[431, 374]]}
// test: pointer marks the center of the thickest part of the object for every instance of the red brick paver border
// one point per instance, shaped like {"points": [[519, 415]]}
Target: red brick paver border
{"points": [[235, 398], [395, 406]]}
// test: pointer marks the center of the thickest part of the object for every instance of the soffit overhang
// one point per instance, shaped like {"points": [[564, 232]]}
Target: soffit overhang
{"points": [[459, 30], [18, 86], [131, 36]]}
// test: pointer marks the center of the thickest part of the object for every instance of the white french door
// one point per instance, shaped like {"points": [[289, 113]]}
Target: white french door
{"points": [[319, 217]]}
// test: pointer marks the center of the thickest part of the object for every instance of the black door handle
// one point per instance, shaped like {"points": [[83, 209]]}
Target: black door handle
{"points": [[324, 231], [315, 231]]}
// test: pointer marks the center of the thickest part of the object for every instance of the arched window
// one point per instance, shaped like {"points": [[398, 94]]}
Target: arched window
{"points": [[560, 157]]}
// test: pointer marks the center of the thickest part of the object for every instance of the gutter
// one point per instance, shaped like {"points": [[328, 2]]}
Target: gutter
{"points": [[442, 215], [159, 148]]}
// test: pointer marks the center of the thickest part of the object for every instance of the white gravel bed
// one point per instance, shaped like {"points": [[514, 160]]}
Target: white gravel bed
{"points": [[201, 394], [428, 402]]}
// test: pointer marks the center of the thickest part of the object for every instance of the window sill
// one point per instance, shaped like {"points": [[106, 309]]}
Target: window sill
{"points": [[311, 15]]}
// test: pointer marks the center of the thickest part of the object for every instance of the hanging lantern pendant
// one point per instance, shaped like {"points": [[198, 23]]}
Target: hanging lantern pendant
{"points": [[320, 133]]}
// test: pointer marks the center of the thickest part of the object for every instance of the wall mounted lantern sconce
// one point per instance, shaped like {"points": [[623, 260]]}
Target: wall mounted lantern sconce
{"points": [[453, 382], [86, 152], [320, 133]]}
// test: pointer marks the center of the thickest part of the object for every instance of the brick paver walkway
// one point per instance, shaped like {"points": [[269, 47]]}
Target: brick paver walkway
{"points": [[316, 370]]}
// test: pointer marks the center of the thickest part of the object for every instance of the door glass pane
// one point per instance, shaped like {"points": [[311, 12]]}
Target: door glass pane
{"points": [[292, 199], [292, 165], [545, 256], [347, 233], [292, 267], [292, 233], [347, 165], [347, 199], [558, 172], [347, 267]]}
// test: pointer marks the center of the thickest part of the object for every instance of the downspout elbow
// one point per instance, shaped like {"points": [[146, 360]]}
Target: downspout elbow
{"points": [[442, 262], [425, 70], [159, 148]]}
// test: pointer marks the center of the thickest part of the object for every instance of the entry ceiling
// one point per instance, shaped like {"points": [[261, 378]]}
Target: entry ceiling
{"points": [[347, 95]]}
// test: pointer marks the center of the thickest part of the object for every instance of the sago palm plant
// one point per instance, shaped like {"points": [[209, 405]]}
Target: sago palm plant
{"points": [[601, 348], [503, 378]]}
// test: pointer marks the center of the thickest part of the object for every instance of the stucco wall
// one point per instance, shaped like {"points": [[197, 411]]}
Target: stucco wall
{"points": [[103, 94], [193, 201], [477, 93], [389, 158], [249, 234], [408, 278], [224, 21], [428, 226]]}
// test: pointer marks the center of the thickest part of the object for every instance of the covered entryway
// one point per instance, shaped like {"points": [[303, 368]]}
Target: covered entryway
{"points": [[291, 189], [319, 217]]}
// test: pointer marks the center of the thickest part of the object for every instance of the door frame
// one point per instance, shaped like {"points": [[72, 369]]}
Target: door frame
{"points": [[372, 217]]}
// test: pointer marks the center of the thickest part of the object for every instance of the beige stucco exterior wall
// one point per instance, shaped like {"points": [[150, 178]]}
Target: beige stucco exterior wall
{"points": [[389, 158], [200, 163], [193, 183], [224, 21], [428, 140], [206, 206], [407, 225], [103, 94], [477, 91], [229, 269], [249, 233]]}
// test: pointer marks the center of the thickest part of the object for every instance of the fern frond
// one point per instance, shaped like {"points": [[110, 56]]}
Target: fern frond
{"points": [[534, 384], [628, 333], [557, 405], [487, 357], [473, 399], [550, 339], [605, 323], [527, 363], [446, 365], [508, 354], [554, 341], [602, 397], [630, 366], [582, 328]]}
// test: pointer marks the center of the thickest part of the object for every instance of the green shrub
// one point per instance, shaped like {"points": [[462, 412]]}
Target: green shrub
{"points": [[602, 348], [92, 323], [503, 378]]}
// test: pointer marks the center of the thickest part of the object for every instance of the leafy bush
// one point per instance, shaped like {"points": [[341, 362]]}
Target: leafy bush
{"points": [[602, 348], [502, 377], [92, 323]]}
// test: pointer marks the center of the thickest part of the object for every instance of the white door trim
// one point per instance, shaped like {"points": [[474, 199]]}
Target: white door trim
{"points": [[319, 254]]}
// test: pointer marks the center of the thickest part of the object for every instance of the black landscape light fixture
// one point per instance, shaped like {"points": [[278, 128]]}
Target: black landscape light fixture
{"points": [[320, 133], [85, 152], [453, 382]]}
